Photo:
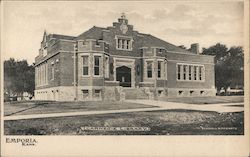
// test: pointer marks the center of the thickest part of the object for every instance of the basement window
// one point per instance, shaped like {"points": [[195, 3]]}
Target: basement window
{"points": [[85, 93], [160, 92], [202, 92], [97, 93], [180, 92]]}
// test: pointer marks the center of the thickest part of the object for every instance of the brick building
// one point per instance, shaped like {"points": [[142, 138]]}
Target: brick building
{"points": [[116, 63]]}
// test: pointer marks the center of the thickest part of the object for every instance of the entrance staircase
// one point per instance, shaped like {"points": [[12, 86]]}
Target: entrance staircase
{"points": [[135, 93]]}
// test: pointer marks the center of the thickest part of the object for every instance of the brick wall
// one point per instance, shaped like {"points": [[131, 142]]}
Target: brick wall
{"points": [[207, 83]]}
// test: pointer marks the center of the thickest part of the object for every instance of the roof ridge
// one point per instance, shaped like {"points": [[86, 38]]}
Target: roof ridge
{"points": [[99, 27], [61, 35]]}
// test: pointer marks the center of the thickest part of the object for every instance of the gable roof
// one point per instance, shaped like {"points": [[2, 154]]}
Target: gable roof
{"points": [[150, 40], [145, 39], [92, 33]]}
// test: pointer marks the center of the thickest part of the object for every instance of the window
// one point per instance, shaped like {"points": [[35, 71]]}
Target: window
{"points": [[38, 75], [47, 74], [160, 92], [35, 76], [124, 43], [179, 72], [97, 93], [85, 67], [160, 51], [180, 92], [128, 43], [85, 93], [119, 43], [159, 69], [97, 65], [189, 72], [149, 69], [52, 72], [184, 72], [195, 72], [106, 67], [166, 70], [202, 92], [200, 73]]}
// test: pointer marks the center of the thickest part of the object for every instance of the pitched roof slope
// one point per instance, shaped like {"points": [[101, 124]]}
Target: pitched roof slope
{"points": [[145, 39], [58, 36], [150, 40], [92, 33]]}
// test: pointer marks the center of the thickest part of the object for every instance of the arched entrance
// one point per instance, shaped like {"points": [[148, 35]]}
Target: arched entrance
{"points": [[124, 72], [123, 75]]}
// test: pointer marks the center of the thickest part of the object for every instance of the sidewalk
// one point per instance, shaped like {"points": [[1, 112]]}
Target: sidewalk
{"points": [[68, 114], [221, 108], [161, 105]]}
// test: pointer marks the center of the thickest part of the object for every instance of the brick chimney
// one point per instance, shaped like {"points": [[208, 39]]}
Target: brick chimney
{"points": [[194, 48]]}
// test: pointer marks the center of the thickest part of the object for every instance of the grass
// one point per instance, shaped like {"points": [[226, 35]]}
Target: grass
{"points": [[41, 107], [171, 122], [206, 100]]}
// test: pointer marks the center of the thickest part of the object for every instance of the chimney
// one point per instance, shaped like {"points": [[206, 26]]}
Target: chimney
{"points": [[194, 48]]}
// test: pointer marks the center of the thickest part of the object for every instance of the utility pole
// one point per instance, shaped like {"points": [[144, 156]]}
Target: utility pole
{"points": [[75, 84]]}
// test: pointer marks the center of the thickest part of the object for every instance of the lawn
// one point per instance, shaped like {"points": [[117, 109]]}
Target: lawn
{"points": [[41, 107], [171, 122], [206, 100]]}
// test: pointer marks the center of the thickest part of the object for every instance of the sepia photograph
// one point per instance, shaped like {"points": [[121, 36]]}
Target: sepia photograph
{"points": [[109, 68]]}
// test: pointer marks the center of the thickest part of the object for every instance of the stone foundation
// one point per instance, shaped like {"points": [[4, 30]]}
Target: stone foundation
{"points": [[184, 92], [113, 93], [61, 93]]}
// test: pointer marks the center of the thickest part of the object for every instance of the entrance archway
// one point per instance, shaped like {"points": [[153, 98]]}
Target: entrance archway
{"points": [[123, 75]]}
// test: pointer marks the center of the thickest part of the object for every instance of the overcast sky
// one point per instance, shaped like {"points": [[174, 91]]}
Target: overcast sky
{"points": [[181, 23]]}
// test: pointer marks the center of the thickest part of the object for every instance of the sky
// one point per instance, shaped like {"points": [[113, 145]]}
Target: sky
{"points": [[180, 23]]}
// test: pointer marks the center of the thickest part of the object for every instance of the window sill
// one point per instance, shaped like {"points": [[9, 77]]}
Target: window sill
{"points": [[190, 80], [124, 49], [97, 76], [85, 75], [161, 79]]}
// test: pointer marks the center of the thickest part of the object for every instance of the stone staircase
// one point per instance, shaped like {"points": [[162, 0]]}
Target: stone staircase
{"points": [[135, 93]]}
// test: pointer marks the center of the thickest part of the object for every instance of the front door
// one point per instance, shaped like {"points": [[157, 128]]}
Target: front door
{"points": [[123, 75]]}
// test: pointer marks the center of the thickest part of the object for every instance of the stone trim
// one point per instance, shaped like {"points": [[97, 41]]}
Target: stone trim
{"points": [[186, 53], [80, 65], [73, 41], [189, 62], [124, 38], [125, 62]]}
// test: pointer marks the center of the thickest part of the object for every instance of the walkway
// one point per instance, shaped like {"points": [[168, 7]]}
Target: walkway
{"points": [[221, 108], [69, 114], [160, 105]]}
